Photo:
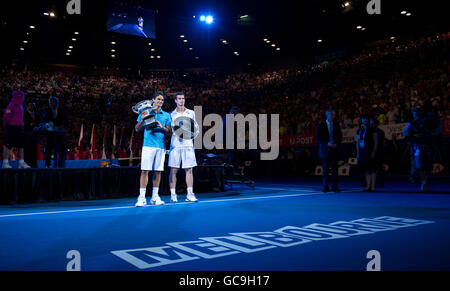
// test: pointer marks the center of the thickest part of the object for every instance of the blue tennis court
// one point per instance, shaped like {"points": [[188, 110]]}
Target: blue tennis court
{"points": [[280, 225]]}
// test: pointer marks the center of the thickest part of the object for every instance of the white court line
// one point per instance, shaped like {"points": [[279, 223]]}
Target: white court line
{"points": [[179, 203], [289, 189]]}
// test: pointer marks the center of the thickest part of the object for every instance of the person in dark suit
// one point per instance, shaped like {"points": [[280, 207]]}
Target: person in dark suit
{"points": [[366, 152], [56, 139], [379, 151], [329, 139]]}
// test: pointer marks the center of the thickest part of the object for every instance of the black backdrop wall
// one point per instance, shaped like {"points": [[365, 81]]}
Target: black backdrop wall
{"points": [[41, 185]]}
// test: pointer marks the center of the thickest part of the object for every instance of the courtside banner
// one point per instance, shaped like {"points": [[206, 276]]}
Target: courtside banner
{"points": [[349, 135], [297, 140], [390, 130]]}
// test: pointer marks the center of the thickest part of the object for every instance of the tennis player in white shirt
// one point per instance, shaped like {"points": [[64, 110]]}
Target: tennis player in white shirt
{"points": [[182, 152]]}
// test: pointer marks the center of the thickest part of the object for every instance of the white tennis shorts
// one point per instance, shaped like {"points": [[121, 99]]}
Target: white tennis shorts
{"points": [[182, 156], [152, 159]]}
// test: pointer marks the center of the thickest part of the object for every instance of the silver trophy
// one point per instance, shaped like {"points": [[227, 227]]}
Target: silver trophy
{"points": [[185, 127], [149, 121]]}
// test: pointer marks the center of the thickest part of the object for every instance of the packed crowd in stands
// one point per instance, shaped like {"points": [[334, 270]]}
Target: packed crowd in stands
{"points": [[385, 80]]}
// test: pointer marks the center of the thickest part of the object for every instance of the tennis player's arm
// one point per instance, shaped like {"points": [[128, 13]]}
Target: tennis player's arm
{"points": [[168, 128], [139, 126]]}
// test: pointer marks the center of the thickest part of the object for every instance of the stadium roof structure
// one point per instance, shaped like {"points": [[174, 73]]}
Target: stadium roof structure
{"points": [[242, 33]]}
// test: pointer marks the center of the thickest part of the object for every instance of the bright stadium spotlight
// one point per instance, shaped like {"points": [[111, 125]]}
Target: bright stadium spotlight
{"points": [[182, 36], [346, 4], [32, 27], [209, 19], [190, 48], [52, 14], [403, 12], [319, 40], [202, 18], [76, 32]]}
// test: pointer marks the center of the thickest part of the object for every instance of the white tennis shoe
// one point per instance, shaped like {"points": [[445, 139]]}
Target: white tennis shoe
{"points": [[6, 165], [141, 202], [157, 201], [191, 198], [24, 166]]}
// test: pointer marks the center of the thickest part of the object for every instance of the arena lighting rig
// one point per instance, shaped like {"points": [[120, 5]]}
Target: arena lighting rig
{"points": [[208, 19]]}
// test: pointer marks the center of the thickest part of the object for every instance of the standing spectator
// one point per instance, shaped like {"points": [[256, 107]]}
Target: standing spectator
{"points": [[14, 132], [379, 146], [365, 146], [381, 118], [329, 138]]}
